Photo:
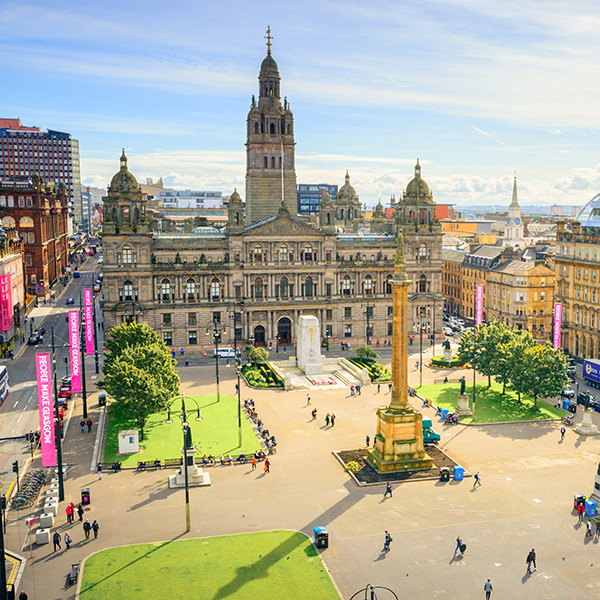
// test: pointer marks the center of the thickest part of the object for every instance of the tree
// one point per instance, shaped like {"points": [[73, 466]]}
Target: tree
{"points": [[142, 380], [365, 352], [128, 335], [544, 372], [511, 343], [258, 355]]}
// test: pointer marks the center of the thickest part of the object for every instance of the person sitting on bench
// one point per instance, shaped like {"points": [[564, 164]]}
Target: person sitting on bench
{"points": [[242, 458], [229, 460], [116, 466], [204, 461], [142, 466], [156, 463]]}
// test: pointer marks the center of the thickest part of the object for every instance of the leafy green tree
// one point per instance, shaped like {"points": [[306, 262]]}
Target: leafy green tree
{"points": [[142, 380], [365, 352], [544, 372], [258, 355], [510, 345], [128, 335]]}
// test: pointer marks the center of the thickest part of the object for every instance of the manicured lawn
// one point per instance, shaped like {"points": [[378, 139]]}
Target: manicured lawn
{"points": [[490, 405], [273, 564], [216, 434]]}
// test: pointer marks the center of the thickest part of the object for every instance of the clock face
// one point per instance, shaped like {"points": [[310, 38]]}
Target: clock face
{"points": [[508, 221], [517, 221]]}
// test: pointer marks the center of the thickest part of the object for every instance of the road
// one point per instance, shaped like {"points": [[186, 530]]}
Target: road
{"points": [[19, 412]]}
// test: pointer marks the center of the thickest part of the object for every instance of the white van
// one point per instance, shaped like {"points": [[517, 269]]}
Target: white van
{"points": [[225, 353]]}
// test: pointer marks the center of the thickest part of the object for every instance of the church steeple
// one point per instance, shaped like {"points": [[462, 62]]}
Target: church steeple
{"points": [[515, 201]]}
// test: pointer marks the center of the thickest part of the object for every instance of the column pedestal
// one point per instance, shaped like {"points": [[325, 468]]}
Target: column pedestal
{"points": [[586, 427], [196, 476], [462, 406]]}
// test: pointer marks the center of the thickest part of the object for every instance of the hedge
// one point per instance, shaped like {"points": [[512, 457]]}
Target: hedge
{"points": [[377, 372], [440, 361]]}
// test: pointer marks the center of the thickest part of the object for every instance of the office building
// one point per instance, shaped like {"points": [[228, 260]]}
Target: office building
{"points": [[309, 196]]}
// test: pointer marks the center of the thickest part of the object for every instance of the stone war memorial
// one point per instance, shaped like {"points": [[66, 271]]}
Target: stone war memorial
{"points": [[399, 439]]}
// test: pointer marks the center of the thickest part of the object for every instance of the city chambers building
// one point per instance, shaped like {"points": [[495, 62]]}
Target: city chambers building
{"points": [[263, 270]]}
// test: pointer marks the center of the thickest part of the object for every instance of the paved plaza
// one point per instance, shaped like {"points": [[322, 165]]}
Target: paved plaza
{"points": [[525, 501]]}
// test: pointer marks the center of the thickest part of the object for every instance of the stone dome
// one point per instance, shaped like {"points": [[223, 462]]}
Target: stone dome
{"points": [[235, 198], [269, 65], [326, 201], [418, 187], [379, 211], [346, 192], [123, 181]]}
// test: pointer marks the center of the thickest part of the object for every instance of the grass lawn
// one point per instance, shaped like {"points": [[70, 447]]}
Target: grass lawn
{"points": [[273, 564], [490, 405], [216, 434]]}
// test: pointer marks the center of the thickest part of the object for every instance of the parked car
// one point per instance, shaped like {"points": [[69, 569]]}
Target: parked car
{"points": [[39, 331], [100, 260], [225, 353], [96, 288], [568, 393], [70, 301], [100, 276], [76, 275], [66, 382], [584, 397], [572, 369], [35, 339], [448, 331], [65, 392]]}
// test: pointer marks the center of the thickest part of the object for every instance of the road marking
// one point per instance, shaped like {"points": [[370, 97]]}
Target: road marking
{"points": [[15, 404]]}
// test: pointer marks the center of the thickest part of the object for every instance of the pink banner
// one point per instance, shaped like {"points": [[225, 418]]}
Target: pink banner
{"points": [[75, 351], [479, 305], [47, 434], [557, 324], [88, 317], [6, 305]]}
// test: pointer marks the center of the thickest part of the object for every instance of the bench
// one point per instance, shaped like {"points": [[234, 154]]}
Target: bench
{"points": [[74, 573], [144, 465]]}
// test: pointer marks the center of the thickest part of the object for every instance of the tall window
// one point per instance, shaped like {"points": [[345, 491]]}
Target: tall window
{"points": [[127, 255], [258, 288], [283, 254], [422, 253], [309, 287], [215, 288], [388, 284], [368, 285], [165, 290], [257, 254], [423, 284], [346, 286], [190, 289], [284, 287], [127, 290], [308, 254]]}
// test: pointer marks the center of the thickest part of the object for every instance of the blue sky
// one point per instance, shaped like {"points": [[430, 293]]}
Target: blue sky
{"points": [[476, 90]]}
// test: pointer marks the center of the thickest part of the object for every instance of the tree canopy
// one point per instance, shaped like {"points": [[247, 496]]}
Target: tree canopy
{"points": [[365, 352]]}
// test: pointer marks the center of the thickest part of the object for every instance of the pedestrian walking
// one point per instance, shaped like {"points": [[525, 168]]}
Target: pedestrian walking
{"points": [[389, 388], [182, 352], [368, 440], [89, 425], [580, 513], [417, 365], [99, 471], [87, 527], [68, 540], [487, 588], [307, 399], [267, 465], [477, 479], [95, 528], [387, 540], [327, 420], [314, 413], [23, 596], [187, 362], [459, 545], [378, 388], [254, 463], [388, 490], [531, 561], [82, 426], [589, 529], [359, 389], [80, 512], [352, 390], [56, 541], [69, 512], [332, 419], [562, 433]]}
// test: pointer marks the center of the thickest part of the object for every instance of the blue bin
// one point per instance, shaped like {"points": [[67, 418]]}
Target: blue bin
{"points": [[321, 537], [566, 403], [459, 473], [590, 508], [445, 412]]}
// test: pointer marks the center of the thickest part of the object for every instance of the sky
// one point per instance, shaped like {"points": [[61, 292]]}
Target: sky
{"points": [[478, 91]]}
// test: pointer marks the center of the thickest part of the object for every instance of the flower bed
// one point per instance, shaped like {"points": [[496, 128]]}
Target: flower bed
{"points": [[328, 381], [261, 376], [377, 372], [441, 362]]}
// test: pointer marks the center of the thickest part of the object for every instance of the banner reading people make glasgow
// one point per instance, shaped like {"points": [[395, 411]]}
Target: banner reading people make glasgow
{"points": [[44, 382], [479, 305], [557, 324], [6, 305], [75, 351], [88, 316]]}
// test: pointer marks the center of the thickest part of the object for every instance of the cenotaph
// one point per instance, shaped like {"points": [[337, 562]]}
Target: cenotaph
{"points": [[309, 345], [399, 439]]}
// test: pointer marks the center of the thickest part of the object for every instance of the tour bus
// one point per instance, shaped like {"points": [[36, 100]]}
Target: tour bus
{"points": [[4, 389]]}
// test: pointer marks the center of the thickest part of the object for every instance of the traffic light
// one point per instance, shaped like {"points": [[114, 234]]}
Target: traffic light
{"points": [[16, 467], [3, 502]]}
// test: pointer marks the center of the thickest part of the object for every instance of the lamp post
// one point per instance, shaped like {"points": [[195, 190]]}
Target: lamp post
{"points": [[61, 483], [367, 308], [238, 364], [217, 332]]}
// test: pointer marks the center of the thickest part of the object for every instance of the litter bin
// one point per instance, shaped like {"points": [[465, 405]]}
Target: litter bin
{"points": [[85, 496], [578, 499], [444, 413], [590, 508], [444, 474], [102, 400], [459, 473], [321, 537]]}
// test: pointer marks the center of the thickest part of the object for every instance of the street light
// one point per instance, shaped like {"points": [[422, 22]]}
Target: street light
{"points": [[238, 364], [217, 332]]}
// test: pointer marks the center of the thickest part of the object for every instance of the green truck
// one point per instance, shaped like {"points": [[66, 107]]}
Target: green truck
{"points": [[430, 436]]}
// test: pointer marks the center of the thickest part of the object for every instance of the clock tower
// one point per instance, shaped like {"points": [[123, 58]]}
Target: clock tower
{"points": [[513, 230]]}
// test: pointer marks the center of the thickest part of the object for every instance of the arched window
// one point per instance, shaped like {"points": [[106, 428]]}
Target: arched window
{"points": [[423, 284], [127, 255], [257, 254], [26, 222], [272, 129], [368, 284], [258, 288], [266, 163], [127, 290], [346, 286], [8, 222], [272, 159], [308, 254], [215, 288], [165, 290], [350, 214], [388, 284], [283, 254], [280, 162], [190, 289], [309, 287], [283, 287], [255, 127]]}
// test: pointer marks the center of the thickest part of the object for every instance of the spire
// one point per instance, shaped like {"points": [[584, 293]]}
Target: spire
{"points": [[418, 169], [123, 160], [347, 177], [515, 200], [269, 37]]}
